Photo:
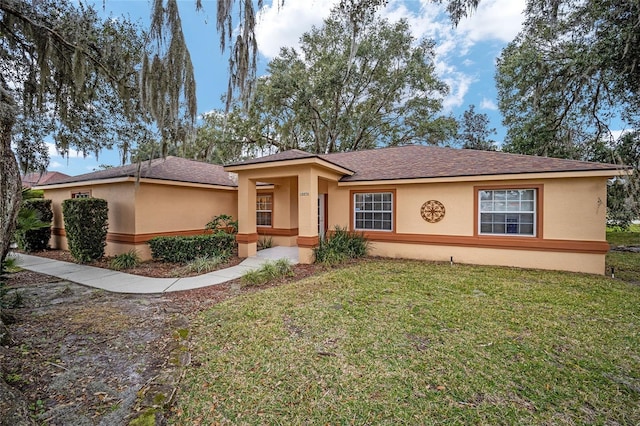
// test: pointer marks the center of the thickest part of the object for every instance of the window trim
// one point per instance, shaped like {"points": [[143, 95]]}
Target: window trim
{"points": [[539, 210], [260, 194], [394, 209]]}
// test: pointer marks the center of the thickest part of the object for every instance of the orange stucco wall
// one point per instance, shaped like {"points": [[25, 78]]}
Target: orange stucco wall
{"points": [[141, 211], [120, 198], [572, 210]]}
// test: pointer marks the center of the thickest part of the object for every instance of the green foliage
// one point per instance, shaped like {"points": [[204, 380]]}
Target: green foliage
{"points": [[341, 245], [265, 243], [269, 271], [76, 76], [624, 237], [204, 264], [346, 86], [569, 73], [85, 224], [475, 132], [185, 249], [127, 260], [33, 229], [28, 193], [223, 223]]}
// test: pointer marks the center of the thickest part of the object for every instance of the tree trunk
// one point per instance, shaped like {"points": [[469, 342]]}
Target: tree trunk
{"points": [[10, 183]]}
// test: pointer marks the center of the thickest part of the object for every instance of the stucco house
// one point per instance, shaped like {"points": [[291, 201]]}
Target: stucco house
{"points": [[431, 203], [173, 196], [417, 202]]}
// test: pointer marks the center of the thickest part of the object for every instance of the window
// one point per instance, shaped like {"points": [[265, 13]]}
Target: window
{"points": [[507, 212], [264, 209], [81, 194], [373, 211]]}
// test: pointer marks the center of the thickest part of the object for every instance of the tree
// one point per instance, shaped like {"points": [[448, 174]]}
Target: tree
{"points": [[239, 35], [350, 89], [64, 68], [623, 194], [475, 131], [570, 71]]}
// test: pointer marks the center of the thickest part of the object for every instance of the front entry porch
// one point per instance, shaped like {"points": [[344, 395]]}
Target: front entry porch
{"points": [[286, 201]]}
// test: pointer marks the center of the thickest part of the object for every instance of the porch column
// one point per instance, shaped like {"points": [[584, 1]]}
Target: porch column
{"points": [[247, 237], [307, 215]]}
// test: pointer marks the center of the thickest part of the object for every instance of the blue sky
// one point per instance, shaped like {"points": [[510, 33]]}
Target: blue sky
{"points": [[465, 55]]}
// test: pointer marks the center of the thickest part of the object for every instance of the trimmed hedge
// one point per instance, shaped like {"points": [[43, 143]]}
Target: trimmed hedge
{"points": [[185, 249], [85, 223], [36, 239]]}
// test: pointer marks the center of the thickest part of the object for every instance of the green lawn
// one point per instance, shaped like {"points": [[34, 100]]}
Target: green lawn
{"points": [[625, 238], [403, 342]]}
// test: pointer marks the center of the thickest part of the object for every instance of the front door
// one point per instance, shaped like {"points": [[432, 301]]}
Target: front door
{"points": [[322, 200]]}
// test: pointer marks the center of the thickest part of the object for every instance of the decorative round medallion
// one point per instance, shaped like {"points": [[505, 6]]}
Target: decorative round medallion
{"points": [[432, 211]]}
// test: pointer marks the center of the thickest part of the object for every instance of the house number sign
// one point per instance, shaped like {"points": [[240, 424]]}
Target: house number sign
{"points": [[432, 211]]}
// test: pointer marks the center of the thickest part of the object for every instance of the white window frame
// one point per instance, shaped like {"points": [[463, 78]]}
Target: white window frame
{"points": [[259, 210], [506, 211], [356, 210]]}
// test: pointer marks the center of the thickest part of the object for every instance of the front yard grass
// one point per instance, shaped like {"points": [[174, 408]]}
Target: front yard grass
{"points": [[403, 342]]}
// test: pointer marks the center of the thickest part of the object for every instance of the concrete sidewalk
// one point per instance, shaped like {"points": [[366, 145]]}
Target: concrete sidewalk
{"points": [[120, 282]]}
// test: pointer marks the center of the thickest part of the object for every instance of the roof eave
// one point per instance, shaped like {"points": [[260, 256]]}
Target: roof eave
{"points": [[313, 160], [133, 179], [491, 177]]}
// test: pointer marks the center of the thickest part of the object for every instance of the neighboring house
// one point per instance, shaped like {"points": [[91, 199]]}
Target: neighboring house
{"points": [[36, 178], [172, 196], [431, 203]]}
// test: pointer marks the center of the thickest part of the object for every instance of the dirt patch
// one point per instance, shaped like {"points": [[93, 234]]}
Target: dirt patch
{"points": [[83, 356]]}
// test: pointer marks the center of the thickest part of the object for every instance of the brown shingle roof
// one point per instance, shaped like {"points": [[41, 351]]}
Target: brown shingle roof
{"points": [[170, 168], [33, 179], [292, 154], [417, 161]]}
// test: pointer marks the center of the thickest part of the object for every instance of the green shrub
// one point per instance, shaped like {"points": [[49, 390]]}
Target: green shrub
{"points": [[85, 223], [265, 243], [33, 229], [204, 264], [223, 223], [268, 272], [341, 245], [184, 249], [126, 260]]}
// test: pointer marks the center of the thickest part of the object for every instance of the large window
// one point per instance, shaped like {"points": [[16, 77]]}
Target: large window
{"points": [[264, 209], [507, 212], [373, 211]]}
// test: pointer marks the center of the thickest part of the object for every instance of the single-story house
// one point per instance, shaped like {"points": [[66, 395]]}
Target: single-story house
{"points": [[170, 196], [419, 202], [431, 203]]}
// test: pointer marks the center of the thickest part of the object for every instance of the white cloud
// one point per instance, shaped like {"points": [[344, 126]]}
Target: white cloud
{"points": [[494, 20], [458, 87], [53, 152], [55, 165], [280, 27], [488, 104]]}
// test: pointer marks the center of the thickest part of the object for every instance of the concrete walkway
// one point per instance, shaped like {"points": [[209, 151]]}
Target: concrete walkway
{"points": [[120, 282]]}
